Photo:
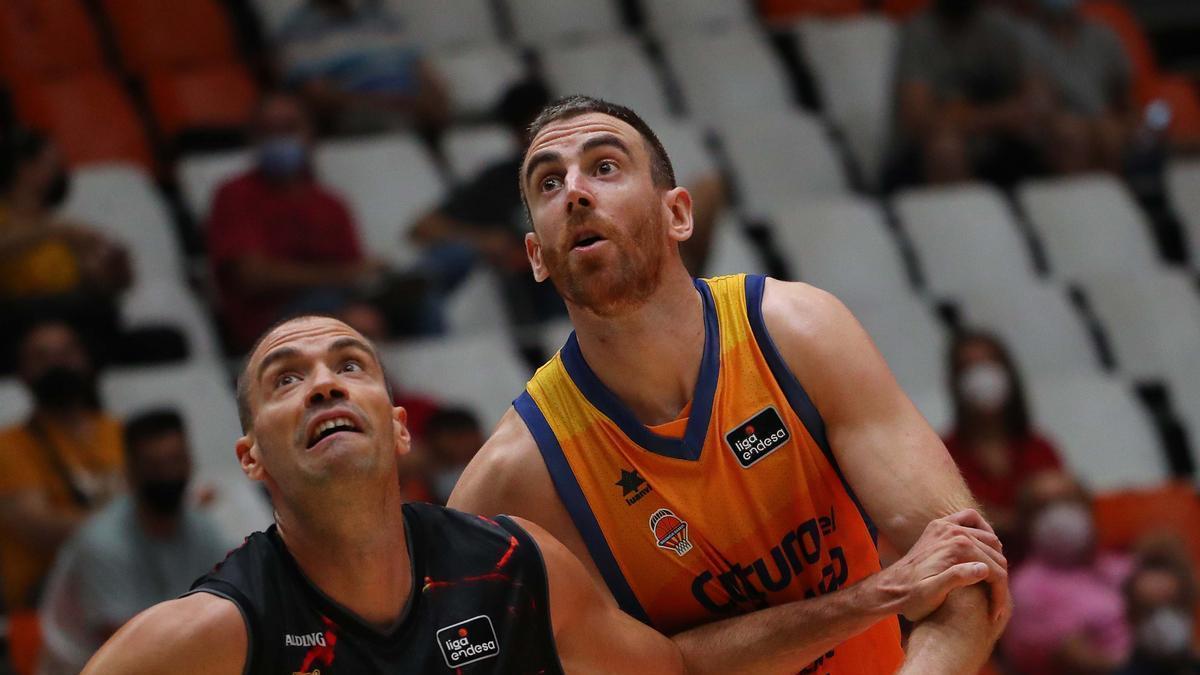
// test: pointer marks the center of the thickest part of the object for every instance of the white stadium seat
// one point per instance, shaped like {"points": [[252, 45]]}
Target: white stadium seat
{"points": [[853, 64], [389, 182], [477, 77], [615, 69], [1105, 436], [446, 24], [685, 146], [200, 176], [273, 14], [780, 155], [1183, 189], [727, 71], [666, 16], [470, 150], [731, 251], [172, 304], [477, 305], [541, 21], [15, 403], [966, 238]]}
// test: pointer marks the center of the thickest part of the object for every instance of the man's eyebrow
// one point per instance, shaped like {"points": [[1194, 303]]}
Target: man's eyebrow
{"points": [[603, 140], [540, 158], [351, 343], [277, 355]]}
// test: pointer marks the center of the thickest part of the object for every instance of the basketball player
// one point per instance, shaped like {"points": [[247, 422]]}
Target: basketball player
{"points": [[348, 581], [716, 451]]}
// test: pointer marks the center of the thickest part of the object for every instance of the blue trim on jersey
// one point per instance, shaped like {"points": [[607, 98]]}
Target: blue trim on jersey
{"points": [[792, 389], [577, 506], [692, 443]]}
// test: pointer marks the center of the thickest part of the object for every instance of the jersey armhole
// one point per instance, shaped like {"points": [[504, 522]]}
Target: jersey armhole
{"points": [[543, 589], [239, 600]]}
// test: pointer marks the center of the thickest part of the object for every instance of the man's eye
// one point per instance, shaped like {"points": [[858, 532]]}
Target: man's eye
{"points": [[605, 167], [550, 183], [286, 379], [352, 367]]}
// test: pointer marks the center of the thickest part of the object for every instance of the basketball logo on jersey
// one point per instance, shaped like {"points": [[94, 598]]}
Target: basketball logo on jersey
{"points": [[670, 531], [758, 436], [468, 641]]}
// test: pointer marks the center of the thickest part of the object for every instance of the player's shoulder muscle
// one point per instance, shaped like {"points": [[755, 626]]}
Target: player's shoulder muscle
{"points": [[200, 633], [506, 475]]}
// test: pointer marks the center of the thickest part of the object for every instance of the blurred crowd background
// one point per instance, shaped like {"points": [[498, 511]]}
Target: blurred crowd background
{"points": [[1002, 191]]}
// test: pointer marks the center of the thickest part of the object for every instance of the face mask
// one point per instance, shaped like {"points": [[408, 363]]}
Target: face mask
{"points": [[985, 386], [164, 497], [444, 482], [283, 157], [1062, 533], [56, 191], [60, 388], [1166, 633]]}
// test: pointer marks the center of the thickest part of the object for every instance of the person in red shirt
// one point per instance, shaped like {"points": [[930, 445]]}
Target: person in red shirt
{"points": [[279, 242], [993, 441]]}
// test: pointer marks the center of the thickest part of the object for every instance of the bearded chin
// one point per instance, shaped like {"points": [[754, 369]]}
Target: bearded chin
{"points": [[612, 289]]}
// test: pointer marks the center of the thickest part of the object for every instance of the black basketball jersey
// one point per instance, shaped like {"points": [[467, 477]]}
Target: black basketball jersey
{"points": [[479, 605]]}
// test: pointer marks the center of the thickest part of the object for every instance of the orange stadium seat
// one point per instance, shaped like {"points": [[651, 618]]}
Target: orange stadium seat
{"points": [[1122, 518], [1116, 15], [90, 116], [41, 39], [220, 96], [155, 35], [1184, 98], [24, 642], [793, 9]]}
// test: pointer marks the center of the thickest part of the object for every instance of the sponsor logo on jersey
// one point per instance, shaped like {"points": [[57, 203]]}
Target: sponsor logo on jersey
{"points": [[306, 672], [670, 532], [758, 436], [306, 640], [468, 641], [634, 487]]}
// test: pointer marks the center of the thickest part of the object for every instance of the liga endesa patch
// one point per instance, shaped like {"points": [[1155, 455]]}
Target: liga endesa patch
{"points": [[758, 436], [468, 641]]}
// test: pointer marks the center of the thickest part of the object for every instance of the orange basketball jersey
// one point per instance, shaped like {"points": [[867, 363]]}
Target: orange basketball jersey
{"points": [[745, 509]]}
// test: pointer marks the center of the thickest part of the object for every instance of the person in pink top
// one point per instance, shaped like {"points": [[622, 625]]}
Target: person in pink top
{"points": [[1068, 609]]}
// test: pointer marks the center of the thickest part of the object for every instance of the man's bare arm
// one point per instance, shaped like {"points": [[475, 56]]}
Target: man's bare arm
{"points": [[200, 633], [892, 458]]}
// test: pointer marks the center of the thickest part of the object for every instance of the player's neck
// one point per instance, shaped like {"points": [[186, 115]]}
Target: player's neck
{"points": [[355, 550], [650, 356]]}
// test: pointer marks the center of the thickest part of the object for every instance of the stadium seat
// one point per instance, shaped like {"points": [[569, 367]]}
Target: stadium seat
{"points": [[673, 15], [1044, 331], [153, 35], [1088, 224], [1104, 435], [480, 371], [843, 245], [731, 250], [202, 395], [15, 403], [853, 63], [728, 70], [542, 21], [470, 150], [273, 15], [685, 146], [90, 117], [201, 175], [1183, 189], [172, 304], [1125, 517], [24, 641], [1183, 97], [555, 334], [220, 96], [966, 237], [785, 10], [47, 39], [615, 69], [778, 155], [477, 305], [477, 77], [1117, 16], [447, 24], [389, 181], [122, 200]]}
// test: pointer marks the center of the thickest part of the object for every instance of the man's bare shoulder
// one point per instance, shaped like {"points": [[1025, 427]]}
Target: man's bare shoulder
{"points": [[200, 633], [800, 316], [498, 478]]}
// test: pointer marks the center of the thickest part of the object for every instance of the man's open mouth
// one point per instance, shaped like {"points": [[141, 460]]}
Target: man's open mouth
{"points": [[586, 239], [330, 427]]}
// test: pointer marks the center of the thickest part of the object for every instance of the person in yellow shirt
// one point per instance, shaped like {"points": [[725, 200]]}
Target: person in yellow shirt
{"points": [[56, 467]]}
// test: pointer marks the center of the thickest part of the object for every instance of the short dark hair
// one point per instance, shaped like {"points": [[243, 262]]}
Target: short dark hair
{"points": [[450, 419], [661, 171], [245, 415], [147, 425], [521, 104]]}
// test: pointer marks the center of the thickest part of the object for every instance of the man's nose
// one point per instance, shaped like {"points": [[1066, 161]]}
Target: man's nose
{"points": [[578, 195], [325, 388]]}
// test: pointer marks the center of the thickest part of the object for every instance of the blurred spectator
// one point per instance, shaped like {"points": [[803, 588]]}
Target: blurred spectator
{"points": [[46, 263], [354, 63], [1161, 599], [279, 242], [59, 466], [484, 220], [139, 550], [993, 441], [969, 105], [1090, 77], [452, 439], [1068, 609]]}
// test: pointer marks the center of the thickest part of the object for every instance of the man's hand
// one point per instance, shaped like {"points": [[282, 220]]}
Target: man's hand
{"points": [[955, 551]]}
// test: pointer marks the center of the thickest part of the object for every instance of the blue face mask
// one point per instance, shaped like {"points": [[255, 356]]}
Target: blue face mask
{"points": [[283, 156]]}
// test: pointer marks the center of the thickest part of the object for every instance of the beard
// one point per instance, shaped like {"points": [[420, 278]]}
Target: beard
{"points": [[604, 287]]}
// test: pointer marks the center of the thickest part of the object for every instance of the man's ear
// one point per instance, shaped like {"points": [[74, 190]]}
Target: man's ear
{"points": [[248, 457], [679, 203], [533, 250], [400, 431]]}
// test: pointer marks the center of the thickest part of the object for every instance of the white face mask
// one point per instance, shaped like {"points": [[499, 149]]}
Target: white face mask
{"points": [[1167, 632], [985, 386], [1062, 532]]}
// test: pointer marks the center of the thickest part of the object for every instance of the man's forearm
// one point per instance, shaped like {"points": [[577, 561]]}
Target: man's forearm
{"points": [[957, 638], [785, 638]]}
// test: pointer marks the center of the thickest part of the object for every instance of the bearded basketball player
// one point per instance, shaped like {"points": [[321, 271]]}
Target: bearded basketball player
{"points": [[720, 452], [348, 581]]}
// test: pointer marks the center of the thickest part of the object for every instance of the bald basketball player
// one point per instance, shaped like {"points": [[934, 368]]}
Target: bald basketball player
{"points": [[720, 452], [349, 581]]}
